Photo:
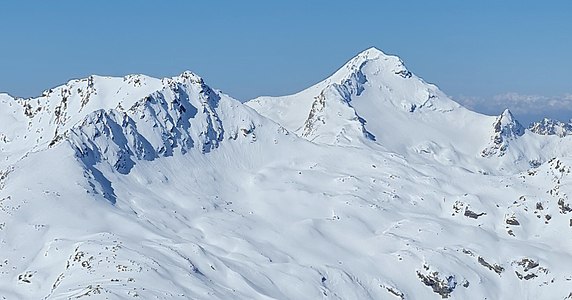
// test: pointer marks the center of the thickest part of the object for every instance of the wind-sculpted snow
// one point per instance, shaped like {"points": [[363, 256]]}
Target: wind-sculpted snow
{"points": [[149, 188]]}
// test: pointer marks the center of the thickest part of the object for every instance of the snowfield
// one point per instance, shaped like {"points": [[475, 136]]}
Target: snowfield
{"points": [[372, 184]]}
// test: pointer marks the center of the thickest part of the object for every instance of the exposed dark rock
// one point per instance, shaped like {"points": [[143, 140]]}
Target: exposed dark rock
{"points": [[471, 214], [443, 287], [494, 267], [394, 292], [468, 252], [564, 207], [512, 221], [525, 277], [527, 264], [529, 269], [404, 73], [25, 277]]}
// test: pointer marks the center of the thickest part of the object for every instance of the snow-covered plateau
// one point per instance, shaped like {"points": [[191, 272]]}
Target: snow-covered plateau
{"points": [[371, 184]]}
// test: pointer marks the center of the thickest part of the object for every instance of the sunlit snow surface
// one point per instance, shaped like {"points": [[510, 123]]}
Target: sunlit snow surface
{"points": [[370, 185]]}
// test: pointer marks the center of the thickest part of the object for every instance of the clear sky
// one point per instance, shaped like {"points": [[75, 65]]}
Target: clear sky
{"points": [[486, 54]]}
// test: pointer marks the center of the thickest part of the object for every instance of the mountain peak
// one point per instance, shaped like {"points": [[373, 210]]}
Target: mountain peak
{"points": [[373, 53], [191, 76], [505, 129], [53, 115], [508, 124], [377, 57], [506, 113], [369, 89]]}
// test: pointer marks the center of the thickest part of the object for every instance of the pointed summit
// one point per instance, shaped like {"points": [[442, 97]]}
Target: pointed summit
{"points": [[190, 76], [505, 129], [373, 54], [373, 59], [373, 50], [357, 101], [507, 113], [507, 125]]}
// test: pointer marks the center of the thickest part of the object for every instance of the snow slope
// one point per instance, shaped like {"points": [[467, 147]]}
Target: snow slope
{"points": [[371, 184]]}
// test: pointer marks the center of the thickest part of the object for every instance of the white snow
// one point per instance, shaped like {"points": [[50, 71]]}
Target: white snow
{"points": [[371, 184]]}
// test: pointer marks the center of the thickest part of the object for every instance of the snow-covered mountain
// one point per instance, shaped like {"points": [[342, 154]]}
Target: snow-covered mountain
{"points": [[551, 127], [374, 97], [371, 184]]}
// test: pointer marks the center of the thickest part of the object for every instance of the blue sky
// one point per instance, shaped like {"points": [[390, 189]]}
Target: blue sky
{"points": [[486, 54]]}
